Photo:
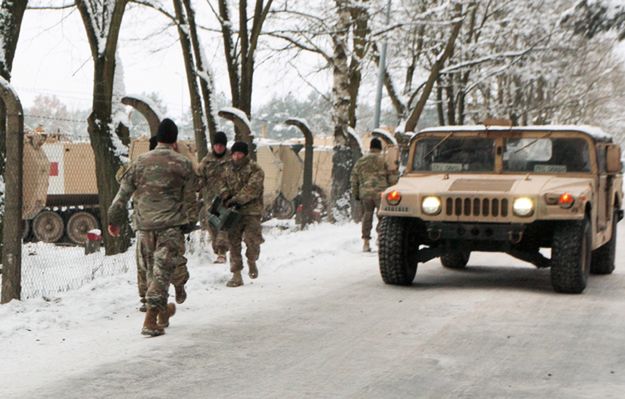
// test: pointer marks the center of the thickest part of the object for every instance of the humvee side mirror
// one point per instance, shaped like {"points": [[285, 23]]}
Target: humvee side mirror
{"points": [[613, 162]]}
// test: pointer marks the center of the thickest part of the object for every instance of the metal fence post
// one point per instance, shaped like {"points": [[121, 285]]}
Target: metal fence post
{"points": [[12, 230], [308, 168]]}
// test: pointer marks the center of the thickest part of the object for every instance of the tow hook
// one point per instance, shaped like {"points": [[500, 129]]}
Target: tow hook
{"points": [[515, 237], [434, 234]]}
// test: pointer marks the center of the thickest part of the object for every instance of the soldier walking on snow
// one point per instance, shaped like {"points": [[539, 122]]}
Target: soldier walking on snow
{"points": [[181, 273], [211, 182], [370, 177], [243, 191], [162, 184]]}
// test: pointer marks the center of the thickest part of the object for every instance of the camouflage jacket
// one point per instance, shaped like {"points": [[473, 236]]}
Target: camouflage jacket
{"points": [[244, 183], [162, 184], [210, 172], [371, 175]]}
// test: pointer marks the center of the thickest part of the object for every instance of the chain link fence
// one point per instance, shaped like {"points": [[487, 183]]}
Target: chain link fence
{"points": [[60, 206], [48, 269]]}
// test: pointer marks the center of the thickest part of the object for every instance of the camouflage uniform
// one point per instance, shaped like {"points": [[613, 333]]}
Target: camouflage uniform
{"points": [[162, 184], [244, 187], [181, 273], [371, 175], [211, 182]]}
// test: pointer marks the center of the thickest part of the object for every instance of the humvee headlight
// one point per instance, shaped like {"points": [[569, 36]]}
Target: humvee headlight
{"points": [[393, 198], [431, 205], [566, 200], [523, 206]]}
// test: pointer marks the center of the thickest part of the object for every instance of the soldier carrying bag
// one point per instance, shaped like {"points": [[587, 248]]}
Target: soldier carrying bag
{"points": [[222, 217]]}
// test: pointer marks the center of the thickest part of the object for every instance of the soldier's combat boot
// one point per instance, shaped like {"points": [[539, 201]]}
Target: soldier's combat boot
{"points": [[236, 280], [164, 315], [221, 258], [253, 270], [181, 294], [150, 327], [365, 246], [143, 307]]}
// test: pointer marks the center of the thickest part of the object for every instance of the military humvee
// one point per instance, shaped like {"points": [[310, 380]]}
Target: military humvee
{"points": [[505, 189]]}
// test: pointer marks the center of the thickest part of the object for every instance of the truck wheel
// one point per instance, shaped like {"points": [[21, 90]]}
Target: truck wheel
{"points": [[571, 255], [79, 225], [456, 259], [397, 252], [283, 208], [48, 226], [603, 257]]}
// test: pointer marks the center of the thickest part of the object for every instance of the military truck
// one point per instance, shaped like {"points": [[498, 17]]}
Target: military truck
{"points": [[505, 189], [60, 191]]}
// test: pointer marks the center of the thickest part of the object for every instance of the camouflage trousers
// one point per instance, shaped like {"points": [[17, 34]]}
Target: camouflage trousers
{"points": [[369, 206], [248, 230], [160, 262]]}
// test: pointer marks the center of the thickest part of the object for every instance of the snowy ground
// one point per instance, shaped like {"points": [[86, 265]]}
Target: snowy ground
{"points": [[320, 323]]}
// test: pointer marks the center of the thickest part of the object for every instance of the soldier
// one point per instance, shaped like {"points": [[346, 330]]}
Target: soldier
{"points": [[162, 185], [243, 191], [371, 175], [181, 273], [211, 182]]}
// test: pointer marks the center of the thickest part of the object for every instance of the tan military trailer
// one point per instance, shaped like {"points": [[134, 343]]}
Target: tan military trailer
{"points": [[505, 189]]}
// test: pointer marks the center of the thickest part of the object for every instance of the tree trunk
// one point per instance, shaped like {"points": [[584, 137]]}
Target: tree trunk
{"points": [[206, 82], [360, 23], [342, 160], [197, 112], [103, 43]]}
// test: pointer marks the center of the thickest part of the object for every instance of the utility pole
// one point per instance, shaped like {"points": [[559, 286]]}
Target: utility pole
{"points": [[381, 70]]}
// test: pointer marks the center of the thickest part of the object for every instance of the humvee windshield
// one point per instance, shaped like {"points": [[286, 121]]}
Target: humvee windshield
{"points": [[546, 155], [454, 154]]}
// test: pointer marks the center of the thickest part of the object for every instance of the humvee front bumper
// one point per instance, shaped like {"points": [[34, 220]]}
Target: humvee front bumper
{"points": [[475, 231]]}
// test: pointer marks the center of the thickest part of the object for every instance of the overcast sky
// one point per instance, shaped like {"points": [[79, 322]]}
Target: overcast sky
{"points": [[53, 58]]}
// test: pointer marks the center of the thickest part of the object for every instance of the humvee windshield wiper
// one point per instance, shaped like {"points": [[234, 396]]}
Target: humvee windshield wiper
{"points": [[531, 143], [438, 144]]}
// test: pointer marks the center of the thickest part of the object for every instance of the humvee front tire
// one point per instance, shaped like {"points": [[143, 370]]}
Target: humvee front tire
{"points": [[571, 256], [603, 257], [397, 253], [456, 259]]}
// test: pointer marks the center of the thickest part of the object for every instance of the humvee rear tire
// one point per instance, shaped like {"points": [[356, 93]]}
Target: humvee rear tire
{"points": [[456, 259], [571, 256], [397, 250], [603, 257]]}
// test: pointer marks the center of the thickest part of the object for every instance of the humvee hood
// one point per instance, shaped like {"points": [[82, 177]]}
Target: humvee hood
{"points": [[484, 184]]}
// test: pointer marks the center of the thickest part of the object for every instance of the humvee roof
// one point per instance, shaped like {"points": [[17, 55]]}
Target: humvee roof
{"points": [[594, 132]]}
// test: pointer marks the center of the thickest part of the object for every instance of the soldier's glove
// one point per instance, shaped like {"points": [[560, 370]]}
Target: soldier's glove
{"points": [[230, 203], [188, 228]]}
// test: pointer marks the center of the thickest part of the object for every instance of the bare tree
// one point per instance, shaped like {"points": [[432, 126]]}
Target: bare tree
{"points": [[102, 20], [240, 48]]}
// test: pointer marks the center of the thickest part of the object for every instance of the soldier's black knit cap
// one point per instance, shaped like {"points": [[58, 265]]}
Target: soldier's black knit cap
{"points": [[375, 144], [220, 138], [167, 132], [239, 146]]}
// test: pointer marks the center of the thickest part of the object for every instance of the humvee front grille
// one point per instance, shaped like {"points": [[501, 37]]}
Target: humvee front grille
{"points": [[487, 207]]}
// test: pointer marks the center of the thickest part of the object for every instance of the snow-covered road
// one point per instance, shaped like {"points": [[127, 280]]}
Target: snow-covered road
{"points": [[320, 323]]}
